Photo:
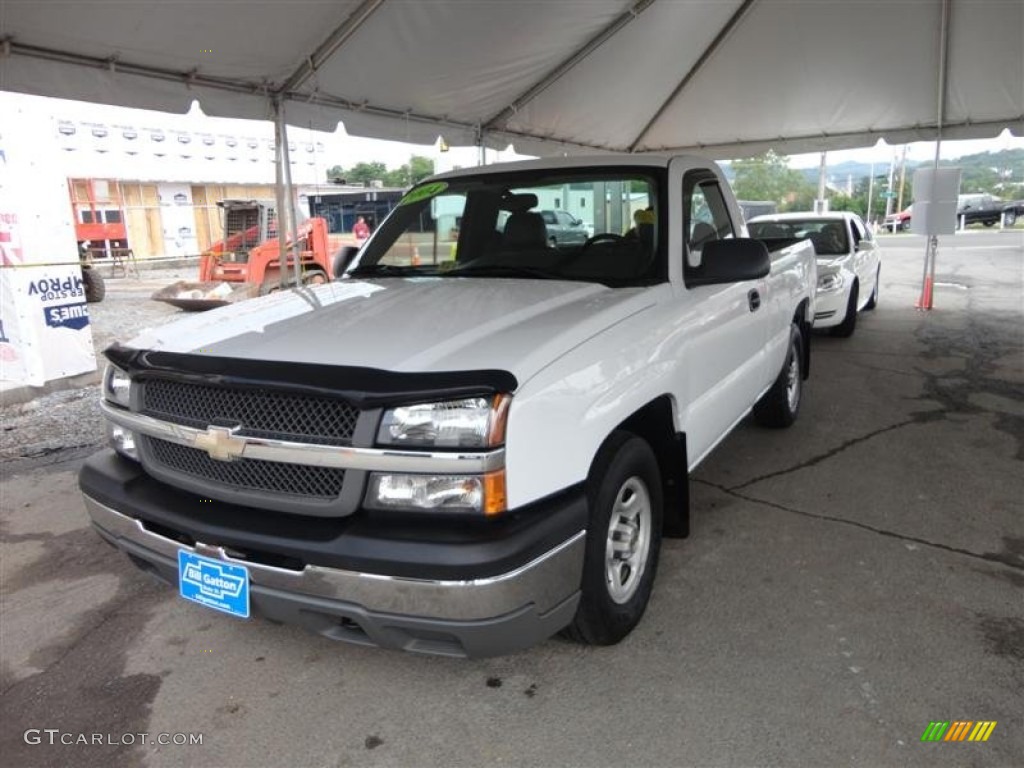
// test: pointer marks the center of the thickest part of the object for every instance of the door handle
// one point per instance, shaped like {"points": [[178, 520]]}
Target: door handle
{"points": [[753, 299]]}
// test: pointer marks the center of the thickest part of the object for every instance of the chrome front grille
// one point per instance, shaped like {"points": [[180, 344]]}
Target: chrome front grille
{"points": [[260, 412], [255, 475], [255, 413]]}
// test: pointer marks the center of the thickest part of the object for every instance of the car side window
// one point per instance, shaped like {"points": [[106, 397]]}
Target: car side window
{"points": [[549, 217], [858, 232], [705, 217]]}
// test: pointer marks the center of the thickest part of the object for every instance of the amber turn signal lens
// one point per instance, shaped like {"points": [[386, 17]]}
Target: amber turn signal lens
{"points": [[495, 497]]}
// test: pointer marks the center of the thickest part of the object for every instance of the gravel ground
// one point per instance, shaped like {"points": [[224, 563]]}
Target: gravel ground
{"points": [[51, 426]]}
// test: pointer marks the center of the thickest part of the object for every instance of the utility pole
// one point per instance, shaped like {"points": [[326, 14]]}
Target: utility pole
{"points": [[819, 206], [871, 190], [903, 176], [888, 189]]}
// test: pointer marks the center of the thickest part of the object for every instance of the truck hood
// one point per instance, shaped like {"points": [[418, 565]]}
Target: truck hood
{"points": [[424, 324]]}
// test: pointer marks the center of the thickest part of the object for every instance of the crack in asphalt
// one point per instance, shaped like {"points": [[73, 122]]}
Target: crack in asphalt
{"points": [[1006, 559], [825, 456]]}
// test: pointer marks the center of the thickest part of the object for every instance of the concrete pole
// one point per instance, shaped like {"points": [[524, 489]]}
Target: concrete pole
{"points": [[871, 190], [888, 189], [903, 176], [822, 179]]}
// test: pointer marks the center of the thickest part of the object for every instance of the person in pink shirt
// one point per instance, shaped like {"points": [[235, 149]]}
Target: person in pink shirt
{"points": [[361, 229]]}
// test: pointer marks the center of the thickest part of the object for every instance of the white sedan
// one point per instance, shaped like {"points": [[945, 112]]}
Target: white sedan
{"points": [[849, 262]]}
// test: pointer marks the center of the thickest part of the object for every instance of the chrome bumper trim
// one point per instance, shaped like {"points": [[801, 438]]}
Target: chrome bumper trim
{"points": [[334, 456], [544, 582]]}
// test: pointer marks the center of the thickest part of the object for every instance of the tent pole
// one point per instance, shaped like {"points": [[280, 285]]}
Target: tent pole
{"points": [[282, 249], [928, 281], [289, 203]]}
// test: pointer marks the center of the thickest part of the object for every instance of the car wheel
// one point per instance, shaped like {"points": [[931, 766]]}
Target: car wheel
{"points": [[905, 226], [552, 242], [846, 328], [623, 541], [873, 301], [94, 286], [988, 223], [779, 406]]}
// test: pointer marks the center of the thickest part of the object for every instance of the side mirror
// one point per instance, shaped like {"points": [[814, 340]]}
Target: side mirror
{"points": [[342, 259], [731, 261]]}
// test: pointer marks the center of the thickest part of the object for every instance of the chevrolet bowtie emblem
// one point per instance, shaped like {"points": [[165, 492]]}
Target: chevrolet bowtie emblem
{"points": [[220, 443]]}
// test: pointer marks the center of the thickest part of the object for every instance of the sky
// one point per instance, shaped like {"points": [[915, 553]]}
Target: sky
{"points": [[346, 150]]}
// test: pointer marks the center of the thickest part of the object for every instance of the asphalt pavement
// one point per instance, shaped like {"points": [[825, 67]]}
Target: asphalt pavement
{"points": [[848, 581]]}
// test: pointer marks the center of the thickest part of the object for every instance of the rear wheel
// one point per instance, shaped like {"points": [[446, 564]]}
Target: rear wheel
{"points": [[623, 541], [846, 328], [780, 405]]}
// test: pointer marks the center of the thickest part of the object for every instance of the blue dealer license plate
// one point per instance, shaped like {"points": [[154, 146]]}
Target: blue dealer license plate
{"points": [[214, 583]]}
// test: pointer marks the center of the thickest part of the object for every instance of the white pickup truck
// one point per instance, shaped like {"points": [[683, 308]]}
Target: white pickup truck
{"points": [[471, 440]]}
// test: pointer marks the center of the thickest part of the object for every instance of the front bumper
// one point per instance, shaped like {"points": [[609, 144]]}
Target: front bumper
{"points": [[830, 307], [484, 591]]}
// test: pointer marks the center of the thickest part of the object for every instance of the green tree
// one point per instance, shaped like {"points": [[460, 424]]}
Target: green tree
{"points": [[769, 177], [364, 173]]}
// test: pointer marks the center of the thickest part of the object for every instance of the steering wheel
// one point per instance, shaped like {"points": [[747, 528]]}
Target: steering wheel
{"points": [[609, 236]]}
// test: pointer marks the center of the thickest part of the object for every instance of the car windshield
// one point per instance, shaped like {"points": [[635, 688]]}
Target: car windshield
{"points": [[594, 227], [827, 235]]}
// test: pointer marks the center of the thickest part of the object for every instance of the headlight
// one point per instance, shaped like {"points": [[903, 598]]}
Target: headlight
{"points": [[830, 281], [472, 422], [122, 440], [116, 386], [474, 494]]}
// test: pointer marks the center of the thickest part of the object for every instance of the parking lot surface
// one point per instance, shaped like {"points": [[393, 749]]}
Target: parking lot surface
{"points": [[847, 582]]}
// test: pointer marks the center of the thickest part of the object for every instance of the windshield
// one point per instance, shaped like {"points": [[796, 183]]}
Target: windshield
{"points": [[828, 235], [595, 227]]}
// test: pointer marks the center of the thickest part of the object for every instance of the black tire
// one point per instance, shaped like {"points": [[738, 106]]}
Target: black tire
{"points": [[623, 471], [314, 277], [846, 328], [873, 301], [780, 405], [988, 223], [94, 286]]}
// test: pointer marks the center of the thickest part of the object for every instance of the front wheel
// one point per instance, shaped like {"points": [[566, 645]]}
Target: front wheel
{"points": [[623, 541], [846, 328], [779, 406], [873, 301], [94, 286]]}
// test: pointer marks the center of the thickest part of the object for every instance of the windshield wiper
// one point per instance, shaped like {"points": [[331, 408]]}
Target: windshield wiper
{"points": [[389, 270], [500, 270]]}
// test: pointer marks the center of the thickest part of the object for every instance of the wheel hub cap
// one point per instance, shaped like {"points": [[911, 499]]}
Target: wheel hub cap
{"points": [[629, 540]]}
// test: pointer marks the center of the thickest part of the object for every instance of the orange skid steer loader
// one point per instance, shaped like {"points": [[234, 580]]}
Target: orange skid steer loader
{"points": [[247, 263]]}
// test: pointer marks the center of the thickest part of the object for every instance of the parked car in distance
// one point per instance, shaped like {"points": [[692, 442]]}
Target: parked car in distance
{"points": [[987, 210], [900, 221], [849, 262], [752, 208], [564, 228]]}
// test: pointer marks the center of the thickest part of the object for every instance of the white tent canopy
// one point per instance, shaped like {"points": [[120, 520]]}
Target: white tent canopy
{"points": [[724, 77]]}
